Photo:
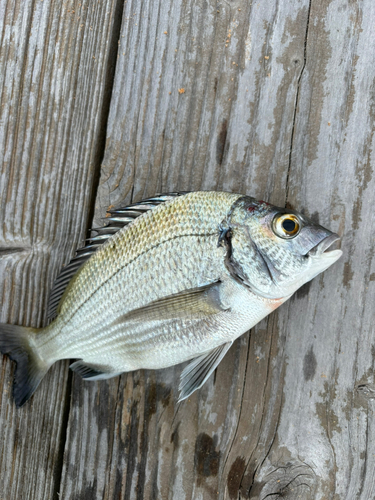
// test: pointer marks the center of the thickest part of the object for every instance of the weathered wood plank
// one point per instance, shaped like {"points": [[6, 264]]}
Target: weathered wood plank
{"points": [[289, 411], [231, 129], [219, 55], [55, 61], [327, 414]]}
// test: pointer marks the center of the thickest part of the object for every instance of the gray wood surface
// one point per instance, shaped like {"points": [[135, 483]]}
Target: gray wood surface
{"points": [[272, 99], [55, 63]]}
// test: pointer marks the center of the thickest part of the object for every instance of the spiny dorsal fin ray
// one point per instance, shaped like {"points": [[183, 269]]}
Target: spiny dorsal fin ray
{"points": [[118, 219], [199, 370]]}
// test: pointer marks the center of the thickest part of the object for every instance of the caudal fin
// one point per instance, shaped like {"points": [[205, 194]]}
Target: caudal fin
{"points": [[17, 343]]}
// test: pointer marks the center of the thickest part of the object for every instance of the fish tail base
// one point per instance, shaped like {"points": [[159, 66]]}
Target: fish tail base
{"points": [[16, 342]]}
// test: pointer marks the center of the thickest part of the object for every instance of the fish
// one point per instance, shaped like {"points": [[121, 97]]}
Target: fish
{"points": [[174, 278]]}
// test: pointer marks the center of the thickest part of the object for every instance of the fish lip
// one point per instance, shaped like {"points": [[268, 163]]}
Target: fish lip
{"points": [[321, 247]]}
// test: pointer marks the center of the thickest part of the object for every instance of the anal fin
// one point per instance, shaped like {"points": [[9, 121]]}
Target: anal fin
{"points": [[92, 371], [199, 370]]}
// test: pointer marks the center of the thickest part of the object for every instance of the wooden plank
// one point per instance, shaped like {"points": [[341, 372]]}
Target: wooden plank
{"points": [[220, 58], [290, 410], [326, 420], [55, 64], [230, 129]]}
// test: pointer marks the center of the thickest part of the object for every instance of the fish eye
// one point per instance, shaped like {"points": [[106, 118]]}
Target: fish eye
{"points": [[286, 225]]}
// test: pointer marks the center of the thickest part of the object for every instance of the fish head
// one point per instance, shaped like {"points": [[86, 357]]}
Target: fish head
{"points": [[274, 250]]}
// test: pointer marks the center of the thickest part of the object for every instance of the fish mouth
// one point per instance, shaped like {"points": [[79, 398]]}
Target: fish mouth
{"points": [[321, 247]]}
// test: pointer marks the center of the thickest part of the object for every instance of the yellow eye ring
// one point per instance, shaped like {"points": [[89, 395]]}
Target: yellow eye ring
{"points": [[286, 225]]}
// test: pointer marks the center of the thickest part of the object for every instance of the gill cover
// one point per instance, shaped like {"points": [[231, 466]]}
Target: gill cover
{"points": [[272, 250], [241, 249]]}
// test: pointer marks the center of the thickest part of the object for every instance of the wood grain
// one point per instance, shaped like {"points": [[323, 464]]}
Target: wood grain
{"points": [[272, 99], [55, 65], [327, 416], [238, 67], [230, 129], [289, 412]]}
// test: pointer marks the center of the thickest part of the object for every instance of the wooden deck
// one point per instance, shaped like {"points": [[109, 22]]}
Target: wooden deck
{"points": [[104, 102]]}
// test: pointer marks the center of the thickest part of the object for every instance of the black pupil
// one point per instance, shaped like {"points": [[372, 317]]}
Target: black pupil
{"points": [[289, 225]]}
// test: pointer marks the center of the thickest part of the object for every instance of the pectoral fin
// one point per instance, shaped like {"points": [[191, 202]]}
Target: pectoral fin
{"points": [[197, 372], [193, 303]]}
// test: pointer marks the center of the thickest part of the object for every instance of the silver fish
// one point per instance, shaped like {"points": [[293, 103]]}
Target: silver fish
{"points": [[174, 278]]}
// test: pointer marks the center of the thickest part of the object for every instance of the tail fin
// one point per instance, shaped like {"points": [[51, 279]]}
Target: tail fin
{"points": [[17, 343]]}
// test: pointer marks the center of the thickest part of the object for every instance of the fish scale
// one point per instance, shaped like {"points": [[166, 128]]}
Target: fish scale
{"points": [[188, 214], [186, 275], [164, 223], [126, 284]]}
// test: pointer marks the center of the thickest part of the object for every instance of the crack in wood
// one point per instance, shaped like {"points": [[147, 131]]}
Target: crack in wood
{"points": [[108, 86], [4, 250], [296, 106], [63, 438]]}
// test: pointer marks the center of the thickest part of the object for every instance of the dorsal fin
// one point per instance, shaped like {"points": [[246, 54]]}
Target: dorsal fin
{"points": [[119, 218]]}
